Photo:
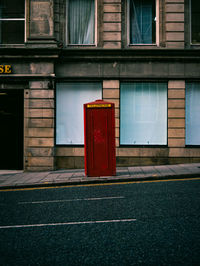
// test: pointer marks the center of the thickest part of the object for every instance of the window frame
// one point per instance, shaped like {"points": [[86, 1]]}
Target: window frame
{"points": [[145, 145], [18, 19], [157, 37], [95, 28]]}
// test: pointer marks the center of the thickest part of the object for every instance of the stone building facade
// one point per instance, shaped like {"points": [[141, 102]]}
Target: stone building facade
{"points": [[49, 71]]}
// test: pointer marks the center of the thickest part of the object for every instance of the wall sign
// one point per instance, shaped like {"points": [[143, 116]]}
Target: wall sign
{"points": [[5, 69]]}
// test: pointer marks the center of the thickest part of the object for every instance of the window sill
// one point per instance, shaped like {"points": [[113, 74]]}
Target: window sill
{"points": [[143, 46], [81, 46], [192, 146], [195, 46], [142, 146], [12, 45], [70, 145]]}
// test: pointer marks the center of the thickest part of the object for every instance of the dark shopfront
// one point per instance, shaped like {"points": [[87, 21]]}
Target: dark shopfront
{"points": [[11, 129]]}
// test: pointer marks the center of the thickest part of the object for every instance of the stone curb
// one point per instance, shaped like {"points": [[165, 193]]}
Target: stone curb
{"points": [[100, 181]]}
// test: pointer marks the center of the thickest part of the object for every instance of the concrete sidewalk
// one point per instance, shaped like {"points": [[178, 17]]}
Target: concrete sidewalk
{"points": [[20, 179]]}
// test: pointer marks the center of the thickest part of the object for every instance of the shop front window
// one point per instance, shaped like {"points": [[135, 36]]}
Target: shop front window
{"points": [[143, 113], [192, 113], [70, 98]]}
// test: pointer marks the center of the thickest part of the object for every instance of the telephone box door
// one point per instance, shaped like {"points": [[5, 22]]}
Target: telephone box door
{"points": [[99, 122]]}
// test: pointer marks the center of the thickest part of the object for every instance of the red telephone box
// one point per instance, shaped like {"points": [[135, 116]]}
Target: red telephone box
{"points": [[99, 126]]}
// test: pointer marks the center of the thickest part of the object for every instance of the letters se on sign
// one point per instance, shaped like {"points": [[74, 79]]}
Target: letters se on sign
{"points": [[5, 69]]}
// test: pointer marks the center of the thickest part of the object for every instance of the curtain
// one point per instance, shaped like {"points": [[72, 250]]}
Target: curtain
{"points": [[70, 98], [81, 21], [143, 114], [193, 113], [142, 13]]}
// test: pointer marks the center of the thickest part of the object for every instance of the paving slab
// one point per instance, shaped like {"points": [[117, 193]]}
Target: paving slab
{"points": [[78, 174], [149, 170], [191, 168], [178, 169], [164, 170], [10, 172], [136, 171], [64, 175]]}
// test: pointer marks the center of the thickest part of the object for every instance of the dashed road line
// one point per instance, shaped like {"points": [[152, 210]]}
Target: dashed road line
{"points": [[69, 200], [67, 223]]}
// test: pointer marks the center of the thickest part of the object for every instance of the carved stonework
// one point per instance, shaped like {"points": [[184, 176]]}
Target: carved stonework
{"points": [[41, 19]]}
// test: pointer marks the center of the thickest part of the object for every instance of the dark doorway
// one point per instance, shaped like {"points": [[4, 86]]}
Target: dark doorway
{"points": [[11, 129]]}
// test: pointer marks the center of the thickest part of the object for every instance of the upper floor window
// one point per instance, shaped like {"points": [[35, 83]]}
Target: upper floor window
{"points": [[12, 21], [80, 22], [142, 21], [195, 21]]}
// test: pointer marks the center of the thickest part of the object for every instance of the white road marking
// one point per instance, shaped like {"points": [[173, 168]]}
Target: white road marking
{"points": [[68, 200], [68, 223]]}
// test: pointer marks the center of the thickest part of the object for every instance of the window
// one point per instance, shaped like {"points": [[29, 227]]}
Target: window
{"points": [[80, 22], [70, 98], [193, 113], [12, 21], [142, 21], [143, 113], [195, 21]]}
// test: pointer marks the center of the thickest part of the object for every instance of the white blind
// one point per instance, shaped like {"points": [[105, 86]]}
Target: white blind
{"points": [[81, 21], [143, 114], [70, 98], [193, 113], [142, 21]]}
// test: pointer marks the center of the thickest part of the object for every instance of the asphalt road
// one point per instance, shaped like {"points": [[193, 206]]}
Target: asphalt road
{"points": [[150, 223]]}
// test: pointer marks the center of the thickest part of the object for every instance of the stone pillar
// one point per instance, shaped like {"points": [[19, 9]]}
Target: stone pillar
{"points": [[174, 23], [39, 126], [112, 24], [111, 94], [176, 114]]}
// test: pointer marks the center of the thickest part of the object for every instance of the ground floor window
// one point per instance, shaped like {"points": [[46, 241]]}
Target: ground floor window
{"points": [[193, 113], [70, 98], [143, 113]]}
